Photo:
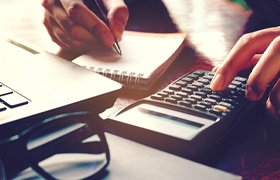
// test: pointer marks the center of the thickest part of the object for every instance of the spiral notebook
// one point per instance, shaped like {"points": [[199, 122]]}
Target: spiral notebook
{"points": [[145, 57]]}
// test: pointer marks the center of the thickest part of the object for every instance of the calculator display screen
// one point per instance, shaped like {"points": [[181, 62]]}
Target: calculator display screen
{"points": [[169, 118], [163, 120]]}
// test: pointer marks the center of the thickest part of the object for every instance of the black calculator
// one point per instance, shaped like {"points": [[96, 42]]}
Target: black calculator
{"points": [[186, 118]]}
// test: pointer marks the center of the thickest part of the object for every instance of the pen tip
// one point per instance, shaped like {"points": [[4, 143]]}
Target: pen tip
{"points": [[117, 48]]}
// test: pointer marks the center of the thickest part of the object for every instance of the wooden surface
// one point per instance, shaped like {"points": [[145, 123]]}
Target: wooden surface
{"points": [[253, 149]]}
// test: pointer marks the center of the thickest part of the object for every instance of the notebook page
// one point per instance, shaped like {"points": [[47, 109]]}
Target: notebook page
{"points": [[142, 53]]}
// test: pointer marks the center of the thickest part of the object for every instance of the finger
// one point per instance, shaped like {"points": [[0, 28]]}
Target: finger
{"points": [[72, 29], [46, 4], [249, 64], [252, 62], [273, 102], [54, 30], [215, 68], [264, 71], [63, 40], [78, 11], [243, 51], [56, 33], [69, 44], [117, 15]]}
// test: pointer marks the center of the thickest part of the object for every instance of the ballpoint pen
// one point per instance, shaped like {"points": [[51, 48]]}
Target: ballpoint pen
{"points": [[96, 8]]}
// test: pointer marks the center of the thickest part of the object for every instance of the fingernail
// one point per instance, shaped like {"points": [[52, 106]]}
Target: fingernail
{"points": [[217, 82], [270, 108], [251, 94], [215, 69], [274, 114]]}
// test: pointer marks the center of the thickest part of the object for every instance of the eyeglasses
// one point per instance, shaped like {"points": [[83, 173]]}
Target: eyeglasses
{"points": [[66, 146]]}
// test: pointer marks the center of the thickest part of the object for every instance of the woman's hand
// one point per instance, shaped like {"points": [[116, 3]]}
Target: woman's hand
{"points": [[76, 29], [260, 49]]}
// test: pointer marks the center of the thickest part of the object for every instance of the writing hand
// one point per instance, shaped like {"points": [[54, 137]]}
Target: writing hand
{"points": [[260, 49], [76, 29]]}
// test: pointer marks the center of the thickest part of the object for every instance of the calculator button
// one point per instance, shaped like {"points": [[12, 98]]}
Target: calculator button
{"points": [[216, 112], [163, 94], [157, 97], [206, 90], [194, 76], [218, 93], [231, 86], [220, 108], [206, 104], [176, 96], [186, 90], [211, 73], [216, 97], [168, 91], [197, 84], [241, 91], [199, 93], [200, 107], [208, 77], [204, 81], [234, 97], [193, 101], [182, 83], [194, 88], [199, 98], [185, 103], [228, 105], [175, 87], [230, 101], [207, 86], [212, 101], [182, 94], [241, 79], [187, 79], [236, 83], [200, 73], [171, 100]]}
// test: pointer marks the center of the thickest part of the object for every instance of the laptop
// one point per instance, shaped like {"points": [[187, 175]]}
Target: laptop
{"points": [[35, 84]]}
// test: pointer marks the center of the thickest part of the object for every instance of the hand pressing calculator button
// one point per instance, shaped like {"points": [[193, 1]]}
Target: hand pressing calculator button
{"points": [[186, 118], [199, 99]]}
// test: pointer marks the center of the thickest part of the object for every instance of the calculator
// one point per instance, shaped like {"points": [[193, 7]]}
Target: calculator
{"points": [[186, 118]]}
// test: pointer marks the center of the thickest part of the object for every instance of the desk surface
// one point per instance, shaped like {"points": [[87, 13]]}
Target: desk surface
{"points": [[253, 149]]}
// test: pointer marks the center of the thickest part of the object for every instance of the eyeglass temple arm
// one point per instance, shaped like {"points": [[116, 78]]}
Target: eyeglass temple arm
{"points": [[70, 143]]}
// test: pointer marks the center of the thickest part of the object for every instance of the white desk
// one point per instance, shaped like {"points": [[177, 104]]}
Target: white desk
{"points": [[130, 160]]}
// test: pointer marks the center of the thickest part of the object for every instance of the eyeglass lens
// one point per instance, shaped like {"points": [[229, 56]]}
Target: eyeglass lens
{"points": [[68, 150]]}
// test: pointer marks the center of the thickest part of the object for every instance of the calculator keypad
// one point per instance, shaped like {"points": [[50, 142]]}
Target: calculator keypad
{"points": [[193, 93]]}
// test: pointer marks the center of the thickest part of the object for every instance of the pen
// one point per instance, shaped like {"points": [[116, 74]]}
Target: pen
{"points": [[96, 8]]}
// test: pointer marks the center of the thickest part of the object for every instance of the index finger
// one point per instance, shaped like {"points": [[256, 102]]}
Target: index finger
{"points": [[243, 51]]}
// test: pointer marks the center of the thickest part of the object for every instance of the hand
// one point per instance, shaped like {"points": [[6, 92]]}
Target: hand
{"points": [[260, 49], [75, 28]]}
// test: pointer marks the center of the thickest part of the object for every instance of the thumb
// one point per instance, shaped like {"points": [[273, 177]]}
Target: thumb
{"points": [[117, 16]]}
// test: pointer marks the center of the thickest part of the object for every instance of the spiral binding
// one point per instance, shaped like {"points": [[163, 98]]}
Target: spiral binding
{"points": [[131, 79]]}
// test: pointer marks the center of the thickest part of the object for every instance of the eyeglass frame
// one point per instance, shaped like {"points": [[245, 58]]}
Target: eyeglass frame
{"points": [[19, 141]]}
